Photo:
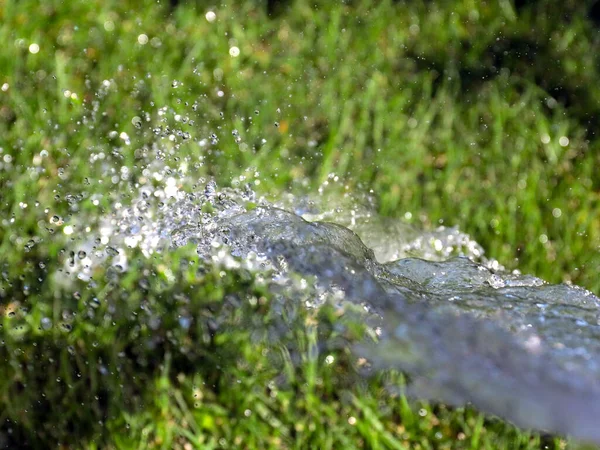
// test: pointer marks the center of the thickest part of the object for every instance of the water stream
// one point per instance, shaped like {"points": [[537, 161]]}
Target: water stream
{"points": [[462, 328]]}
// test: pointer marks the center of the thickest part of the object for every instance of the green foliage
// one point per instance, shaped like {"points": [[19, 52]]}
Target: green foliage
{"points": [[453, 111]]}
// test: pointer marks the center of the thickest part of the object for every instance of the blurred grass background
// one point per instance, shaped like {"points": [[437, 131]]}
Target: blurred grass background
{"points": [[478, 114]]}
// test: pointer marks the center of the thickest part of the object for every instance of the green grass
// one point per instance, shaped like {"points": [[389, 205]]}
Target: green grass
{"points": [[450, 110]]}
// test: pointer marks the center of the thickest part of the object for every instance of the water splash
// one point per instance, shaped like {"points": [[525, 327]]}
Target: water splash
{"points": [[461, 327]]}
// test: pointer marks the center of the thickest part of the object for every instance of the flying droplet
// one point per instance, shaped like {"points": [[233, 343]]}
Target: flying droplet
{"points": [[137, 122], [46, 323], [111, 251], [210, 16]]}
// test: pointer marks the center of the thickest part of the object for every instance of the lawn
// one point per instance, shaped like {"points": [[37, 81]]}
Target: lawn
{"points": [[483, 115]]}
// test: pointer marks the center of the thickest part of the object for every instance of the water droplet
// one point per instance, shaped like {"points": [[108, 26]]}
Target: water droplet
{"points": [[210, 16], [185, 322], [142, 39], [111, 251], [46, 323]]}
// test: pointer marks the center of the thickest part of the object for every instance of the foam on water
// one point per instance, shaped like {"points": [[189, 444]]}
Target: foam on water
{"points": [[461, 327]]}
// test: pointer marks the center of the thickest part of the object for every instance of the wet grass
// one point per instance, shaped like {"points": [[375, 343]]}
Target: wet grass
{"points": [[467, 113]]}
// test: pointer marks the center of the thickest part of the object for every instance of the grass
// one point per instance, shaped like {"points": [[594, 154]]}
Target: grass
{"points": [[477, 114]]}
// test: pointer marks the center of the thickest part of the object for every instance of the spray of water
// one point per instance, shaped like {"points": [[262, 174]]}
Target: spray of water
{"points": [[457, 323]]}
